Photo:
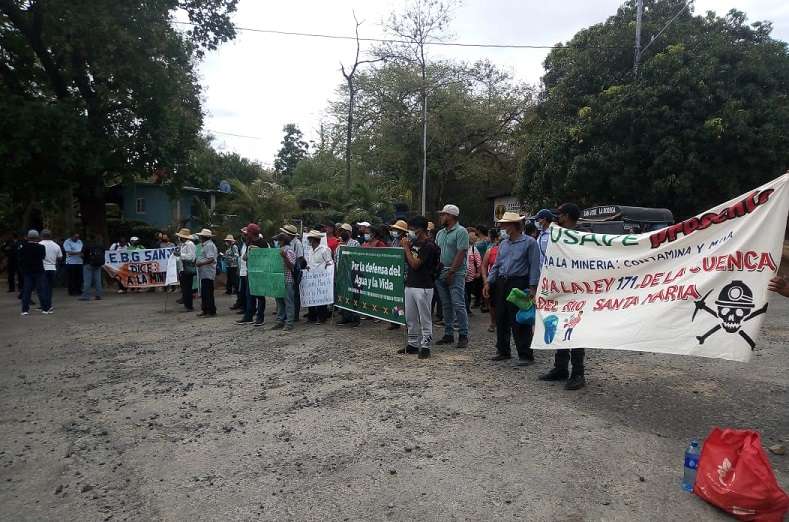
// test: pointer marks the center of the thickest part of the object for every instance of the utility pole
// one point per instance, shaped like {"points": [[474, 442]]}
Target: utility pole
{"points": [[637, 53], [424, 154]]}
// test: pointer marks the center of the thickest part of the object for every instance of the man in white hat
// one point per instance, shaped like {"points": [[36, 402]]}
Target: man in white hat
{"points": [[298, 248], [321, 256], [206, 270], [364, 230], [186, 253], [517, 266], [451, 284]]}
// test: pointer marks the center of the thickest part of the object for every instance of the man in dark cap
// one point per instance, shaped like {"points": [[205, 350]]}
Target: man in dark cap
{"points": [[568, 215]]}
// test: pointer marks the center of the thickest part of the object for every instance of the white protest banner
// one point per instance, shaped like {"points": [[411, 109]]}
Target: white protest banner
{"points": [[138, 268], [698, 287], [172, 271], [317, 286]]}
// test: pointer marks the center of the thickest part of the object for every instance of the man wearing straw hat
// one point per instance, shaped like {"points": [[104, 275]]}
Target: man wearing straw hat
{"points": [[517, 266], [206, 270], [186, 266]]}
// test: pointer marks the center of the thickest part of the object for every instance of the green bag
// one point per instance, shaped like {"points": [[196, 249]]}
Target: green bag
{"points": [[520, 299]]}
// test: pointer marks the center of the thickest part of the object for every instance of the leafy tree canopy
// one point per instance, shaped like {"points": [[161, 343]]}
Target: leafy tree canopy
{"points": [[707, 118]]}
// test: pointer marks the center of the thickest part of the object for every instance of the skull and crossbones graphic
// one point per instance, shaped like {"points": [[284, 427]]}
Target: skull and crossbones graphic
{"points": [[735, 307]]}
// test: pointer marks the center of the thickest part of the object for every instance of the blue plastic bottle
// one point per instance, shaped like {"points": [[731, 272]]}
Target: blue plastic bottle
{"points": [[691, 464]]}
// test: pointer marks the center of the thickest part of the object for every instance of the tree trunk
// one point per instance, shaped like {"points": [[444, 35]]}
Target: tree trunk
{"points": [[90, 195], [349, 134]]}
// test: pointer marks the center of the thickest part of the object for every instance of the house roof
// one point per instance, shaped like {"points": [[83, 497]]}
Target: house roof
{"points": [[151, 184]]}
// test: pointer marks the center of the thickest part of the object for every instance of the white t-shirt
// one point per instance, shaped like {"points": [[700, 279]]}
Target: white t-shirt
{"points": [[242, 263], [53, 253]]}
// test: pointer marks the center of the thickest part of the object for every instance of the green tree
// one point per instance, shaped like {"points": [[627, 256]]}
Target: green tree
{"points": [[262, 201], [119, 84], [293, 150], [206, 167], [707, 118]]}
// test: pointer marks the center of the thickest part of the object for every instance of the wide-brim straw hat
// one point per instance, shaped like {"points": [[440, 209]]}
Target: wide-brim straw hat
{"points": [[510, 217], [400, 225], [230, 238], [314, 234], [184, 233], [289, 230], [205, 233], [346, 226]]}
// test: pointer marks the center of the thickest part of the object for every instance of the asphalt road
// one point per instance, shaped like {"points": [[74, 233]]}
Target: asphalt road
{"points": [[121, 410]]}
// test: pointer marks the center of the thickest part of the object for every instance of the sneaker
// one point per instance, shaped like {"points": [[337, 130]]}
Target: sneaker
{"points": [[500, 357], [424, 353], [408, 349], [447, 339], [576, 382], [25, 313], [524, 362], [278, 326], [258, 324], [554, 375], [462, 341], [48, 312], [124, 291], [244, 321]]}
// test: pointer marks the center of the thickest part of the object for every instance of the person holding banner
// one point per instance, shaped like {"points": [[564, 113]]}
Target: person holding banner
{"points": [[421, 254], [285, 305], [517, 265], [186, 269], [569, 213], [206, 270], [321, 256], [253, 304], [779, 285]]}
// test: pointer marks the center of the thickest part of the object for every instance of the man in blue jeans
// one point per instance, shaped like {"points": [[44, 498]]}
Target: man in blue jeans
{"points": [[31, 263], [93, 255], [451, 283]]}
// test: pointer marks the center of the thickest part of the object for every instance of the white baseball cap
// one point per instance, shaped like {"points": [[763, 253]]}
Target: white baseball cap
{"points": [[134, 238], [363, 224], [452, 210]]}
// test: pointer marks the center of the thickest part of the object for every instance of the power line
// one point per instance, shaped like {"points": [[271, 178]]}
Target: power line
{"points": [[235, 135], [438, 44]]}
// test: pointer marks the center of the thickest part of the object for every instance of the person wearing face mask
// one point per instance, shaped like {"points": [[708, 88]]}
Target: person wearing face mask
{"points": [[397, 231], [517, 266], [421, 255], [569, 213], [542, 221], [374, 238]]}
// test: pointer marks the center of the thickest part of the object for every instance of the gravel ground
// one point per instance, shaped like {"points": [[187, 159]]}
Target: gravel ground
{"points": [[121, 410]]}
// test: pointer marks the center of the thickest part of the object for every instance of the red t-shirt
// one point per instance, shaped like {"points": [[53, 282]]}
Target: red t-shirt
{"points": [[333, 243], [494, 251], [375, 243]]}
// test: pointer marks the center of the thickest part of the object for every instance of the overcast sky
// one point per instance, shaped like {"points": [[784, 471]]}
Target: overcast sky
{"points": [[257, 83]]}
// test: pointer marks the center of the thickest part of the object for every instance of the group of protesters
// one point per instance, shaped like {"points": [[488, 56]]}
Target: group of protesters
{"points": [[447, 266]]}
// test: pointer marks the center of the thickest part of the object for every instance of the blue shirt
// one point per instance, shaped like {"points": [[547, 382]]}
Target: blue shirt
{"points": [[520, 258], [542, 243], [71, 248]]}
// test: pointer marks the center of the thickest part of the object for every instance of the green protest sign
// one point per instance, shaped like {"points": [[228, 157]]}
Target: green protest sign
{"points": [[371, 281], [266, 274]]}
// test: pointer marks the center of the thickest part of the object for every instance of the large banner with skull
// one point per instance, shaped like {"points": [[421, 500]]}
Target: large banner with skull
{"points": [[698, 287]]}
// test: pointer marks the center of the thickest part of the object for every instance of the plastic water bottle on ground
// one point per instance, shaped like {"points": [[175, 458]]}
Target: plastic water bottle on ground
{"points": [[691, 464]]}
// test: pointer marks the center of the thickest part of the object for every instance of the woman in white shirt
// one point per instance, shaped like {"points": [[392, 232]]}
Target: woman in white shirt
{"points": [[320, 257]]}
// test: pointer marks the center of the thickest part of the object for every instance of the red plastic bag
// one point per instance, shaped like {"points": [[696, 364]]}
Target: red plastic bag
{"points": [[734, 474]]}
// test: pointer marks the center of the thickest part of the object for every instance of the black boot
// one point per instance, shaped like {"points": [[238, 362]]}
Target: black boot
{"points": [[447, 339], [576, 382], [554, 375]]}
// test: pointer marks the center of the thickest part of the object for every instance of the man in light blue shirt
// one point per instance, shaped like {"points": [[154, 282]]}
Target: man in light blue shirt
{"points": [[543, 220], [73, 249], [517, 266], [451, 284]]}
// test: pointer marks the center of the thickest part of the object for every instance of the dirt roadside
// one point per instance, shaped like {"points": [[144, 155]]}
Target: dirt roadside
{"points": [[119, 410]]}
